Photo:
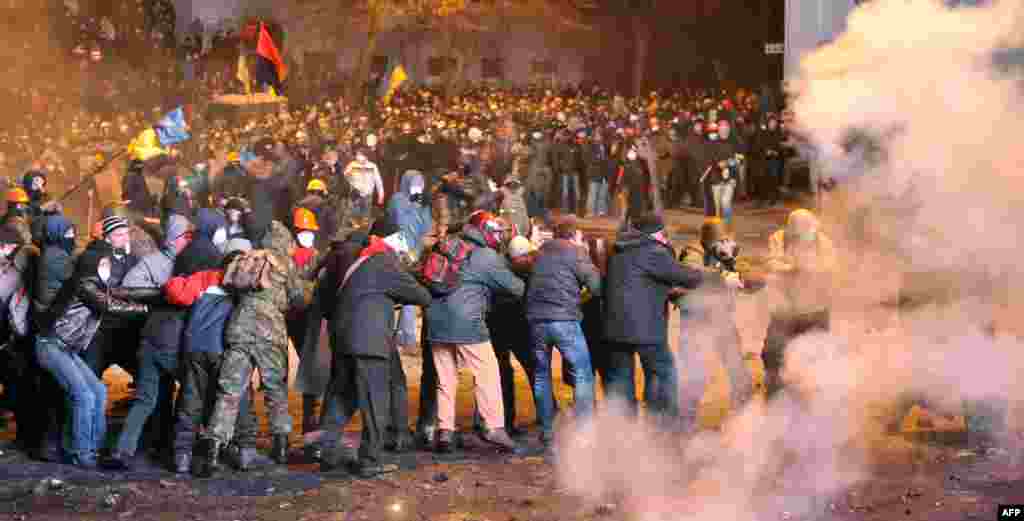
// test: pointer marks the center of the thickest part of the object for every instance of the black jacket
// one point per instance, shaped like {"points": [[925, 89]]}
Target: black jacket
{"points": [[553, 291], [641, 271], [79, 315], [363, 320]]}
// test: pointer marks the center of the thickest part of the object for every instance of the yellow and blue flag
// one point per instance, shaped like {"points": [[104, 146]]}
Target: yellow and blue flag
{"points": [[150, 143], [392, 80]]}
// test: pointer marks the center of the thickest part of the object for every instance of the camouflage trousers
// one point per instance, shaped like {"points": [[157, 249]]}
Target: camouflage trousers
{"points": [[235, 373]]}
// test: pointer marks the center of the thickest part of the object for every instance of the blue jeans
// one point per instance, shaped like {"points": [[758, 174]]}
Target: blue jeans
{"points": [[723, 194], [597, 198], [86, 397], [568, 337], [661, 380], [155, 365], [407, 327], [570, 191]]}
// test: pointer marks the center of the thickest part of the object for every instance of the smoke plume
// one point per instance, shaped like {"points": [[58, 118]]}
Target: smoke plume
{"points": [[917, 115]]}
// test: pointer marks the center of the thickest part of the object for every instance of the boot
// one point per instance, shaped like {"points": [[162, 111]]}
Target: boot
{"points": [[182, 462], [208, 458], [425, 436], [445, 441], [279, 451], [402, 442], [116, 461], [500, 440]]}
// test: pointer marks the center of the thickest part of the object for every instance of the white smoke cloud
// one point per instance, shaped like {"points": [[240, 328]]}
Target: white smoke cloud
{"points": [[933, 193]]}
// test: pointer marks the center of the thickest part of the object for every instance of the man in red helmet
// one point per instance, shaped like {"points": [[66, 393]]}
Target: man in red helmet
{"points": [[457, 331]]}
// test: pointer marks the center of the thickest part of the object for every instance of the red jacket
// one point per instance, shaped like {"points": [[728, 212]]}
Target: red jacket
{"points": [[184, 291]]}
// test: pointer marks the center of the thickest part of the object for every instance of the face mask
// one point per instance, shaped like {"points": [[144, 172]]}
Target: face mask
{"points": [[631, 156], [306, 239], [397, 242], [220, 237], [104, 272]]}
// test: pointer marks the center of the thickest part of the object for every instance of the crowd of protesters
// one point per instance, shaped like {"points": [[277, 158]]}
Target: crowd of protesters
{"points": [[319, 225]]}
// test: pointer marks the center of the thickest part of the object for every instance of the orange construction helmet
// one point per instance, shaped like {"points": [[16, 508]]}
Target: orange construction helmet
{"points": [[17, 195], [304, 219]]}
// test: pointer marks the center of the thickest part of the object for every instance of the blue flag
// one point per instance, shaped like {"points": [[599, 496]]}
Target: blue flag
{"points": [[170, 129]]}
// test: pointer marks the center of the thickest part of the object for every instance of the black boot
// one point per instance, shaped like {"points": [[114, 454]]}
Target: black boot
{"points": [[279, 451], [207, 462]]}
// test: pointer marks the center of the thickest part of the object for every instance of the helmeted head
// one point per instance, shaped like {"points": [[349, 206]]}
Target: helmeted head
{"points": [[489, 227], [317, 187]]}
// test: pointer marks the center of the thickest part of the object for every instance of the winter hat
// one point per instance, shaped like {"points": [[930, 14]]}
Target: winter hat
{"points": [[519, 246], [383, 227], [9, 235], [113, 223], [649, 224]]}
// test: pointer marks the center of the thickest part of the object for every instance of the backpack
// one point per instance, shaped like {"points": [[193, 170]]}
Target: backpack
{"points": [[441, 271], [249, 271]]}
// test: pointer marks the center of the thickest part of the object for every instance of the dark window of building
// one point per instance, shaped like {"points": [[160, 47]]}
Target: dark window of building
{"points": [[542, 67], [438, 65], [492, 68], [379, 65]]}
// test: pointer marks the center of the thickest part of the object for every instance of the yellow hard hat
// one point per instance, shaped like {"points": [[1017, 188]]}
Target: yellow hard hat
{"points": [[304, 219], [233, 157], [316, 185], [17, 195]]}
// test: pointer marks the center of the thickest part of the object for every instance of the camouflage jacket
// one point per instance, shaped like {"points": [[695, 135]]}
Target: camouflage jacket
{"points": [[259, 317]]}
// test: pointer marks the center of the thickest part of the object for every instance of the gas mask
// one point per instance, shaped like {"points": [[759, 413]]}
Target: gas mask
{"points": [[306, 238]]}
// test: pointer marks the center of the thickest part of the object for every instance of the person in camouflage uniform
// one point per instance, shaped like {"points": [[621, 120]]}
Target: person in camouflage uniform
{"points": [[257, 337]]}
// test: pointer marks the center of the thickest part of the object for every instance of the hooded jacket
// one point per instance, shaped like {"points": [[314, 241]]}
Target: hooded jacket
{"points": [[201, 254], [560, 270], [414, 219], [89, 301], [164, 324], [56, 265], [363, 320], [641, 271], [459, 317]]}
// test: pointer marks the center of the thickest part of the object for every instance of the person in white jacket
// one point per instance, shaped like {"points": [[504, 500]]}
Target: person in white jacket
{"points": [[367, 186]]}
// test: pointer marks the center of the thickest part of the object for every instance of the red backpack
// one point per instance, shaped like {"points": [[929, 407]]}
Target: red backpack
{"points": [[441, 271]]}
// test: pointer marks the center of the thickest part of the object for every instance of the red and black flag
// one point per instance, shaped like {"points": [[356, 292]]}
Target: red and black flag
{"points": [[270, 68]]}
